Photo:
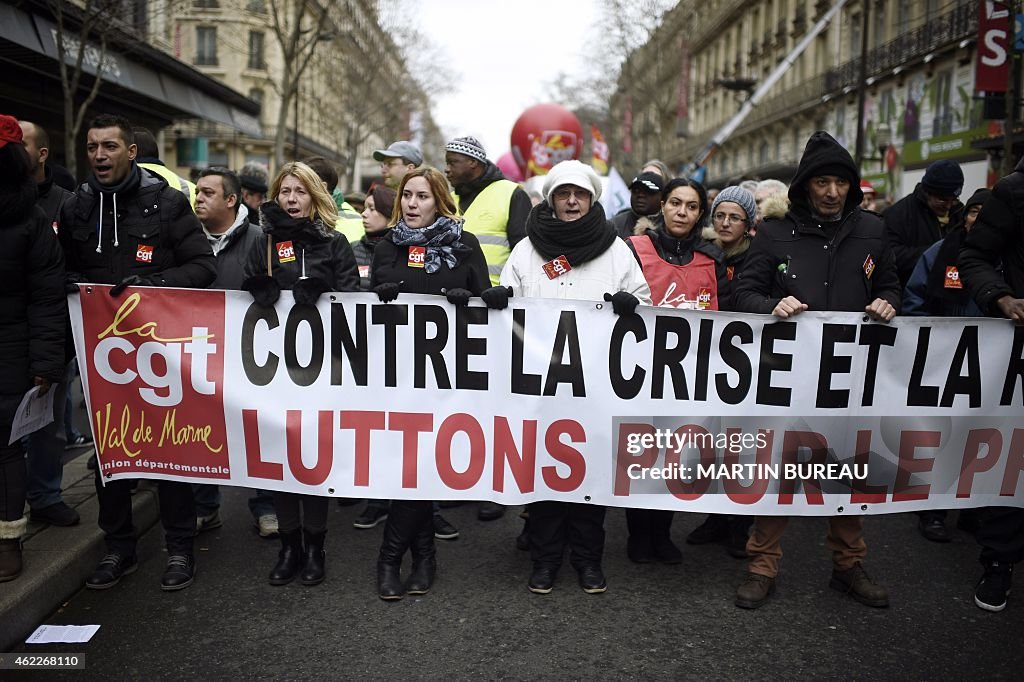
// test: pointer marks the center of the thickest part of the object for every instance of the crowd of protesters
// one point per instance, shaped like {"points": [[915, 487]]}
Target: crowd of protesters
{"points": [[677, 244]]}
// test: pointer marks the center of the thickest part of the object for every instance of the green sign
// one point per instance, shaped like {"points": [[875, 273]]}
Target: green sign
{"points": [[950, 146]]}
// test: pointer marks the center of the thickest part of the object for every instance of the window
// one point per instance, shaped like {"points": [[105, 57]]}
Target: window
{"points": [[256, 50], [257, 6], [206, 4], [256, 95], [206, 46]]}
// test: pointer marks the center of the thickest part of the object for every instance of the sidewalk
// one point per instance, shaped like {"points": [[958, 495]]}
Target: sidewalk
{"points": [[58, 560]]}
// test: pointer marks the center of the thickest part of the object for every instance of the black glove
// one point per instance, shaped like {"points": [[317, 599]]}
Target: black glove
{"points": [[129, 281], [309, 290], [387, 291], [623, 302], [264, 289], [458, 296], [497, 297], [71, 280]]}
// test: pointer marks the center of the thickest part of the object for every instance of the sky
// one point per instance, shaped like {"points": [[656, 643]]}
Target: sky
{"points": [[503, 53]]}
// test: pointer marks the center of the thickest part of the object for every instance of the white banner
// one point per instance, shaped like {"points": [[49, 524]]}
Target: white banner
{"points": [[554, 400]]}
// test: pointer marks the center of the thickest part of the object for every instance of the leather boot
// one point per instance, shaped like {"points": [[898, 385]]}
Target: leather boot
{"points": [[289, 559], [424, 561], [399, 530], [11, 533], [315, 570]]}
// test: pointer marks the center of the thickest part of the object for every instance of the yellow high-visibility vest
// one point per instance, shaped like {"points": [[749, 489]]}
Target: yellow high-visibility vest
{"points": [[349, 223], [487, 219], [175, 181]]}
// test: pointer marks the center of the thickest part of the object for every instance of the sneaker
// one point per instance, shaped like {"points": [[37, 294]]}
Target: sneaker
{"points": [[110, 570], [934, 528], [371, 516], [444, 530], [542, 579], [208, 522], [592, 579], [754, 591], [994, 587], [58, 514], [79, 442], [179, 574], [856, 583], [490, 511], [267, 525]]}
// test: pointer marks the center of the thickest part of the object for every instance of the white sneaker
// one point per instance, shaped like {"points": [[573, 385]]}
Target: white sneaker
{"points": [[267, 524]]}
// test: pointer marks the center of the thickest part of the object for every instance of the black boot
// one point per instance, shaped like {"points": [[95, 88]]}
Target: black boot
{"points": [[289, 559], [424, 561], [314, 571], [399, 531]]}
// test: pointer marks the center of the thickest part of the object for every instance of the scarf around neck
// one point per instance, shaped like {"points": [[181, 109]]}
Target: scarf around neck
{"points": [[579, 241], [442, 240]]}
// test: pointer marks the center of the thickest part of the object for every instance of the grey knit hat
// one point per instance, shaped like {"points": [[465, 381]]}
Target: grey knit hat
{"points": [[741, 197], [468, 146]]}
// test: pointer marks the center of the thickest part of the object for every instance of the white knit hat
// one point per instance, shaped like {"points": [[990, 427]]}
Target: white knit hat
{"points": [[572, 173]]}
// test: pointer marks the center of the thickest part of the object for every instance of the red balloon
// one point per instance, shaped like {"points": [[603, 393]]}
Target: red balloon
{"points": [[506, 163], [544, 135]]}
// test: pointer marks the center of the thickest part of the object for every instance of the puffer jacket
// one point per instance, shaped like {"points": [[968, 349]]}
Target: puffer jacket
{"points": [[33, 307], [232, 250], [154, 234]]}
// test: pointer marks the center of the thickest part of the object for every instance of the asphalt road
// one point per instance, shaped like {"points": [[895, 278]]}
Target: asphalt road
{"points": [[655, 622]]}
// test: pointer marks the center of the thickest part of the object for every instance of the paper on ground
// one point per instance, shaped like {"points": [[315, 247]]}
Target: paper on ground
{"points": [[33, 413], [47, 634]]}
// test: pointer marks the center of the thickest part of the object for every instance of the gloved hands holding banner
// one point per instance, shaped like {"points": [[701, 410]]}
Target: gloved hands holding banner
{"points": [[623, 302], [264, 289]]}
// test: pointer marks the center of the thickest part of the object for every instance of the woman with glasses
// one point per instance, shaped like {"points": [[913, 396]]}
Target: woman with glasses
{"points": [[683, 270]]}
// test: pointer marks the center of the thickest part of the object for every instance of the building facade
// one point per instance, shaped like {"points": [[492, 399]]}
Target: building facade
{"points": [[693, 75]]}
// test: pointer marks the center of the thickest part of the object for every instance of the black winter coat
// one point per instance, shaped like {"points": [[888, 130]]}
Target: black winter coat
{"points": [[391, 264], [159, 237], [912, 228], [51, 197], [997, 236], [828, 266], [33, 307], [320, 253]]}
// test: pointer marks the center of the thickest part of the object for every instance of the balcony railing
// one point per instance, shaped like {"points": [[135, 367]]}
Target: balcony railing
{"points": [[956, 25]]}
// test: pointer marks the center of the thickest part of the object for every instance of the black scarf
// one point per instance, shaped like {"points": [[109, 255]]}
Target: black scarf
{"points": [[128, 185], [275, 221], [579, 241], [949, 254]]}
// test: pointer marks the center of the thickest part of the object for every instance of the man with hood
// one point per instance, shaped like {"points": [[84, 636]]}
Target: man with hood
{"points": [[128, 228], [922, 218], [992, 267], [495, 212], [827, 253]]}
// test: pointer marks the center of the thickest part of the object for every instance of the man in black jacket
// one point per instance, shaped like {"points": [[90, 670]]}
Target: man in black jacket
{"points": [[126, 227], [917, 221], [997, 238], [825, 254]]}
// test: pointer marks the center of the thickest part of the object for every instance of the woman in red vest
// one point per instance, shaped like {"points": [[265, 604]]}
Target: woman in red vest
{"points": [[683, 270]]}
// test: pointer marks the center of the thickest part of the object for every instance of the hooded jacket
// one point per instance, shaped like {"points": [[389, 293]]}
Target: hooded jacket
{"points": [[843, 265], [51, 197], [518, 206], [232, 250], [998, 236], [912, 228], [33, 307], [311, 251], [153, 234]]}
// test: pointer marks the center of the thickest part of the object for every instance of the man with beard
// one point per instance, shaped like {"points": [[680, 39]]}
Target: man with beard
{"points": [[128, 228]]}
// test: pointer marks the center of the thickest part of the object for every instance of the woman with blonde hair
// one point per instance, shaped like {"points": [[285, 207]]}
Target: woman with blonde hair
{"points": [[299, 251], [426, 251]]}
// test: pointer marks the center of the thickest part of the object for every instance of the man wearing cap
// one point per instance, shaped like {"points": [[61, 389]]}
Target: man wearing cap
{"points": [[253, 179], [917, 221], [495, 209], [825, 254], [397, 160], [644, 202]]}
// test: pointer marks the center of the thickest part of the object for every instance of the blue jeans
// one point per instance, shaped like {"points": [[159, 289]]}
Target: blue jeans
{"points": [[261, 504], [46, 452], [207, 498]]}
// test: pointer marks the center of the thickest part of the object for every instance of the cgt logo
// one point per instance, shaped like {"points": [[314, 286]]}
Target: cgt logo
{"points": [[163, 364]]}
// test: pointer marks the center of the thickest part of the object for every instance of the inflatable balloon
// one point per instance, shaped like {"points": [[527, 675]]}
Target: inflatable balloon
{"points": [[544, 135], [506, 163]]}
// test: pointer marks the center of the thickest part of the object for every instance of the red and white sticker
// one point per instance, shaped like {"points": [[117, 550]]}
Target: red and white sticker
{"points": [[869, 266], [285, 252], [364, 271], [417, 256], [704, 298], [953, 278], [557, 267], [144, 254]]}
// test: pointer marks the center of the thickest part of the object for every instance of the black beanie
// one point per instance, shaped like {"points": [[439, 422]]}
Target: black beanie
{"points": [[978, 198], [943, 178]]}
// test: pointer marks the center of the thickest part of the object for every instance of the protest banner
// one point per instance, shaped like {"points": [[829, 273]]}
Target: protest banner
{"points": [[828, 413]]}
